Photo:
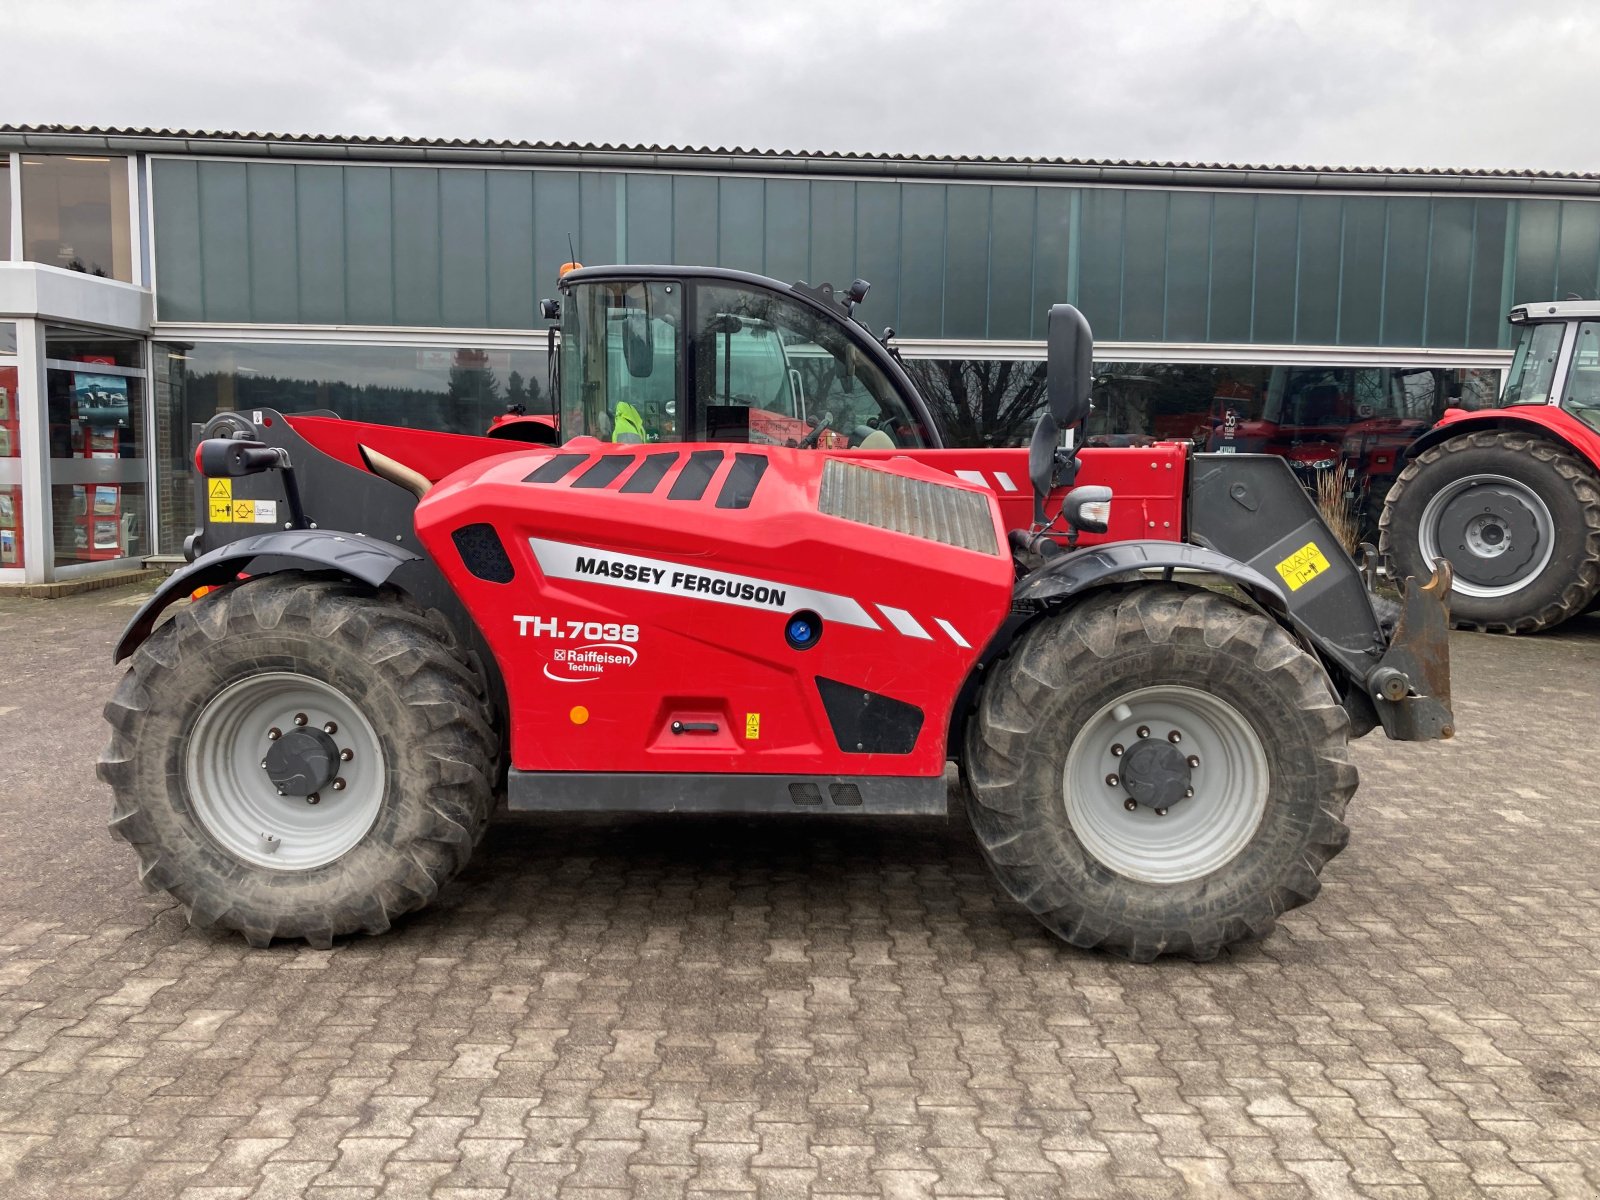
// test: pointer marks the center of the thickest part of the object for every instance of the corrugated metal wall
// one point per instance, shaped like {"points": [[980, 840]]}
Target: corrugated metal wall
{"points": [[247, 242]]}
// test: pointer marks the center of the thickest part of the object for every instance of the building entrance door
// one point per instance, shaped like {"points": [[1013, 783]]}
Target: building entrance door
{"points": [[95, 407]]}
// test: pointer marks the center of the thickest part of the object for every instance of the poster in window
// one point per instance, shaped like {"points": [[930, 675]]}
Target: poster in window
{"points": [[5, 443], [102, 400], [80, 500], [8, 545], [105, 499], [80, 537], [105, 535], [8, 511], [5, 404]]}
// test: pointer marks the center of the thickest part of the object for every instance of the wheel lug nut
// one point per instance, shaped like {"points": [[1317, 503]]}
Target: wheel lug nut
{"points": [[1193, 760], [1112, 781], [314, 798], [1116, 750], [1161, 812], [338, 785], [346, 754], [1187, 792], [263, 764], [330, 728], [1143, 731], [1174, 737], [1130, 804], [300, 718], [274, 734]]}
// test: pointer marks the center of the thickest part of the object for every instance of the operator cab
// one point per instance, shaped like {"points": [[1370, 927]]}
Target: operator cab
{"points": [[1556, 358], [661, 354]]}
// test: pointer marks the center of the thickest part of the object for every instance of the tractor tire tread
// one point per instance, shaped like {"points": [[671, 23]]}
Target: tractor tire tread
{"points": [[1007, 741], [451, 723], [1581, 590]]}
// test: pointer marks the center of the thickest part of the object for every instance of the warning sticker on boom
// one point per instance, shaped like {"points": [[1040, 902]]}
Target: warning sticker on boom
{"points": [[1304, 565]]}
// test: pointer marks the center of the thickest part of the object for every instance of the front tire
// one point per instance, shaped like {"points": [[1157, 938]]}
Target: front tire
{"points": [[300, 758], [1518, 518], [1251, 793]]}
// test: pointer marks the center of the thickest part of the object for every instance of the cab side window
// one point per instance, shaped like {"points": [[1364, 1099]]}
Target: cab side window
{"points": [[769, 369]]}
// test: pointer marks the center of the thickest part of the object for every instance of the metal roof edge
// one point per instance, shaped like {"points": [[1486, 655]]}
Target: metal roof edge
{"points": [[821, 163]]}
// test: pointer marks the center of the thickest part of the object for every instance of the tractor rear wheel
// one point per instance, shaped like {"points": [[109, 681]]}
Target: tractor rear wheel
{"points": [[300, 758], [1518, 518], [1159, 770]]}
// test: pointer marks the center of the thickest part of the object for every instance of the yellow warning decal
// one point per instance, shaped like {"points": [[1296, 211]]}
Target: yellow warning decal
{"points": [[244, 511], [1304, 565], [220, 512], [752, 726], [220, 489]]}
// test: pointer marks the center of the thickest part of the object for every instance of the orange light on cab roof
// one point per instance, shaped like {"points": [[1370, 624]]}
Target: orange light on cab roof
{"points": [[570, 266]]}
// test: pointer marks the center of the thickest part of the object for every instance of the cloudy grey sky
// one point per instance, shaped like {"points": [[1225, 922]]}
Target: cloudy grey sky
{"points": [[1463, 83]]}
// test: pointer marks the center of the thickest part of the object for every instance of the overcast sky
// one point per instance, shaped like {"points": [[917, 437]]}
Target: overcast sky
{"points": [[1456, 83]]}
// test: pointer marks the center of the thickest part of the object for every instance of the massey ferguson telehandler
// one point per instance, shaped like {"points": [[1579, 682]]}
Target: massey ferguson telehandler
{"points": [[749, 580]]}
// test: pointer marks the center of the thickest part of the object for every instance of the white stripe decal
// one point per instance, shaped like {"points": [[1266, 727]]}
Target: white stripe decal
{"points": [[563, 560], [1005, 481], [973, 477], [905, 622], [955, 635]]}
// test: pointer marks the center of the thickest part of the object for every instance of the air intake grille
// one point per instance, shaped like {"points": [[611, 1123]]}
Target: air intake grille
{"points": [[483, 553], [926, 510]]}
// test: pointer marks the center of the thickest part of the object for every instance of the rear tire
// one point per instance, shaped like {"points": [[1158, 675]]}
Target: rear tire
{"points": [[1516, 515], [1270, 787], [195, 715]]}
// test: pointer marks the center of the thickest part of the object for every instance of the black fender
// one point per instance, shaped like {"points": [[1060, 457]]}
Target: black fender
{"points": [[323, 550], [1079, 571], [1076, 572]]}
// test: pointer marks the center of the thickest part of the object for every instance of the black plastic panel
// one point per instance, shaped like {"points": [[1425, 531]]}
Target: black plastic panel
{"points": [[556, 468], [605, 469], [866, 723], [483, 553], [739, 488], [695, 477], [651, 792], [650, 473]]}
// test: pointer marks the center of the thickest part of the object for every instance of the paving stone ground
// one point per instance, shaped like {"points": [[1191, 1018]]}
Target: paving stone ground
{"points": [[671, 1007]]}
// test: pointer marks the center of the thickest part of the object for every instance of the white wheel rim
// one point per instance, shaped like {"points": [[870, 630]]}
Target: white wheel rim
{"points": [[1198, 834], [237, 802]]}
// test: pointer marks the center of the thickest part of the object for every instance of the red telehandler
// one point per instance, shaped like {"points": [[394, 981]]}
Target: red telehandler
{"points": [[672, 612]]}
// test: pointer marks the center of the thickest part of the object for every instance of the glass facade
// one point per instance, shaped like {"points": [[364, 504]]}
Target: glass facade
{"points": [[99, 462], [75, 214], [454, 389], [463, 247]]}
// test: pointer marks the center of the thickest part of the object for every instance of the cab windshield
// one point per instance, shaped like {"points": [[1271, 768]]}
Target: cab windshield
{"points": [[1533, 364]]}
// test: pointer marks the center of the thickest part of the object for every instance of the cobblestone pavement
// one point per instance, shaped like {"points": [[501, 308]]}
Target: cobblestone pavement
{"points": [[662, 1008]]}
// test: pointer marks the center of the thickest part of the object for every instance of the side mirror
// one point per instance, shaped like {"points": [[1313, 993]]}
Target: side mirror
{"points": [[550, 310], [1088, 508], [858, 291], [1069, 372]]}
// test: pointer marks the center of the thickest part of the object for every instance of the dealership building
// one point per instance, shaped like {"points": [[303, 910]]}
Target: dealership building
{"points": [[151, 278]]}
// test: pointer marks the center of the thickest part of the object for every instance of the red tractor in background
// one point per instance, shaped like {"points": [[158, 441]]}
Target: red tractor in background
{"points": [[1510, 496], [671, 613]]}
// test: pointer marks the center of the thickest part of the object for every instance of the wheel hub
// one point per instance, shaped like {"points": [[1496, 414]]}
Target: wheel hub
{"points": [[1496, 532], [302, 762], [1155, 773]]}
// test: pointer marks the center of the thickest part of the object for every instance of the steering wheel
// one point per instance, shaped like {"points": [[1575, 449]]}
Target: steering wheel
{"points": [[810, 440]]}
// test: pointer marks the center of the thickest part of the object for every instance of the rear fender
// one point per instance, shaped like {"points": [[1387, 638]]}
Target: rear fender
{"points": [[1543, 420], [320, 551]]}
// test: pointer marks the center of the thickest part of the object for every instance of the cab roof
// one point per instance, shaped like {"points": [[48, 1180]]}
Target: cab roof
{"points": [[1555, 310]]}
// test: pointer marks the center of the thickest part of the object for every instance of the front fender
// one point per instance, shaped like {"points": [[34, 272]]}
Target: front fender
{"points": [[1079, 571], [361, 558]]}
